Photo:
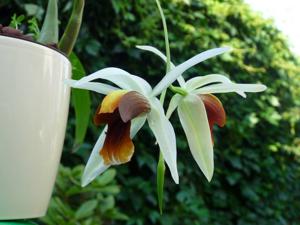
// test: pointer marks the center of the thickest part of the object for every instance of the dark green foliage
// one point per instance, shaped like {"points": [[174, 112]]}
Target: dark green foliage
{"points": [[257, 165], [73, 204]]}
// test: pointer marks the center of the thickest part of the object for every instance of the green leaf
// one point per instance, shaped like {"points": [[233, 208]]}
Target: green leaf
{"points": [[86, 209], [81, 102], [107, 203], [161, 168], [49, 32], [16, 21], [107, 177]]}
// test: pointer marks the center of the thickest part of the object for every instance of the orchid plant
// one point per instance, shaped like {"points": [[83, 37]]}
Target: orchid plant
{"points": [[131, 102], [128, 105]]}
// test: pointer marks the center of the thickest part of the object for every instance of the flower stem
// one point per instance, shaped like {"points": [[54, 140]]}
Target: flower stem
{"points": [[161, 169], [70, 35], [167, 43], [178, 90], [168, 54]]}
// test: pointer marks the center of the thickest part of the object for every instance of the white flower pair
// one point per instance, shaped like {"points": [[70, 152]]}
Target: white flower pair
{"points": [[127, 106]]}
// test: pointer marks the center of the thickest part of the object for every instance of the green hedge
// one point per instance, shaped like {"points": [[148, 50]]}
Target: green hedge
{"points": [[257, 166]]}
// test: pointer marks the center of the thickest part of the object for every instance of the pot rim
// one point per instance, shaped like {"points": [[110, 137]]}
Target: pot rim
{"points": [[37, 43]]}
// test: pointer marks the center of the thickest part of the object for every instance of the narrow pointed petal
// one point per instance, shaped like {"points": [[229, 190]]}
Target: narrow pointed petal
{"points": [[230, 87], [154, 50], [95, 165], [92, 86], [136, 125], [132, 105], [173, 104], [193, 118], [119, 77], [180, 69], [165, 136], [200, 81]]}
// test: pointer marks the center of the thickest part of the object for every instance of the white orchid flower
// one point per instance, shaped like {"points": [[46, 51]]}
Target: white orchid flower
{"points": [[199, 110], [125, 110]]}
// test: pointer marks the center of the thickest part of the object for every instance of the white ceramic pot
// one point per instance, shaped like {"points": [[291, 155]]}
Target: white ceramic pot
{"points": [[33, 114]]}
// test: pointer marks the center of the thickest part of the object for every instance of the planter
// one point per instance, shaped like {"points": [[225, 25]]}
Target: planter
{"points": [[34, 106]]}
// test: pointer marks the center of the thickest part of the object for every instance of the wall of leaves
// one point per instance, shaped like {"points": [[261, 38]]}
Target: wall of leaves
{"points": [[257, 154]]}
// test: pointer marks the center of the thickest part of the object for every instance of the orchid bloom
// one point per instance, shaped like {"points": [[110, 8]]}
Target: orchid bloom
{"points": [[125, 109], [199, 110]]}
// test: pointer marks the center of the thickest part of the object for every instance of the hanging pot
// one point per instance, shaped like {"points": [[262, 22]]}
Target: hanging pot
{"points": [[33, 114]]}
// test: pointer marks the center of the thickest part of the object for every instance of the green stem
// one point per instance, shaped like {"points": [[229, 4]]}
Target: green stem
{"points": [[161, 163], [161, 169], [178, 90], [70, 35], [168, 54]]}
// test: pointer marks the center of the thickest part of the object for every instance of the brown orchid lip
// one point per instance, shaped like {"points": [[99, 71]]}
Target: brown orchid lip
{"points": [[117, 110], [132, 105], [214, 110], [118, 147]]}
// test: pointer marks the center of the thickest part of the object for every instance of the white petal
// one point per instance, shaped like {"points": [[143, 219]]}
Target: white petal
{"points": [[178, 70], [95, 165], [230, 87], [193, 118], [165, 136], [136, 125], [154, 50], [200, 81], [92, 86], [119, 77], [173, 104]]}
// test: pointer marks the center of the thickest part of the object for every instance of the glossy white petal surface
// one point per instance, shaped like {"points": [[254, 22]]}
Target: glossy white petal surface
{"points": [[92, 86], [200, 81], [230, 87], [193, 118], [119, 77], [136, 124], [165, 136], [178, 70], [173, 104], [163, 57], [95, 165]]}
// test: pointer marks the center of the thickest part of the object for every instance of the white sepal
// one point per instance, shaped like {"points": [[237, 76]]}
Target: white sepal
{"points": [[92, 86], [165, 136], [119, 77], [95, 165], [230, 87], [193, 118], [163, 57], [156, 52], [173, 104], [178, 70], [198, 82]]}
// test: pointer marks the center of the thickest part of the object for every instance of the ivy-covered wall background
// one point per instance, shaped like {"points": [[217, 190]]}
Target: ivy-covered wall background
{"points": [[257, 154]]}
